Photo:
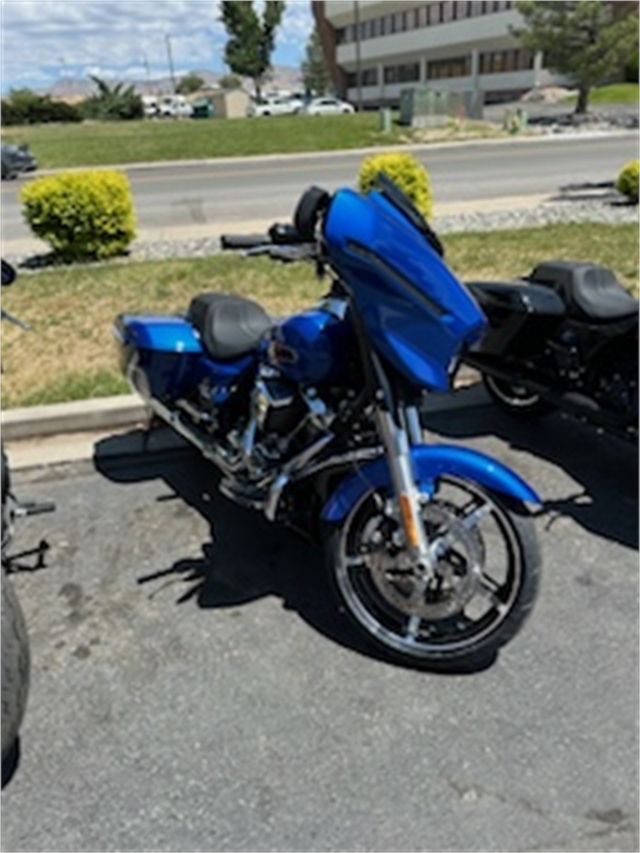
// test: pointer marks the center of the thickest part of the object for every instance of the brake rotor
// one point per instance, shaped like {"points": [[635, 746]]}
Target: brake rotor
{"points": [[457, 566]]}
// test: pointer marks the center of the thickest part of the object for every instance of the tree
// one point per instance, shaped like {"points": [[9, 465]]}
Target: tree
{"points": [[251, 37], [315, 75], [113, 102], [230, 81], [189, 83], [587, 40]]}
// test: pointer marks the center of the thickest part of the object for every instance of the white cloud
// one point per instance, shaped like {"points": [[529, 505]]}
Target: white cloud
{"points": [[44, 40]]}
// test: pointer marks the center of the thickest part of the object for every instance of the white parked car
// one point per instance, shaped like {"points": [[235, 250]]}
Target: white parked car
{"points": [[174, 106], [150, 105], [280, 105], [327, 106]]}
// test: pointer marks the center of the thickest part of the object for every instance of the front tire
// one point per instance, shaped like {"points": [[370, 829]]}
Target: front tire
{"points": [[516, 399], [15, 667], [486, 574]]}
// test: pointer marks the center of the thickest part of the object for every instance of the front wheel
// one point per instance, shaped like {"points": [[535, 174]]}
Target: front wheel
{"points": [[485, 577], [516, 399]]}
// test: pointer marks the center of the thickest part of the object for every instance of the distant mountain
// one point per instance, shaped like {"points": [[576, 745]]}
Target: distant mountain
{"points": [[67, 88]]}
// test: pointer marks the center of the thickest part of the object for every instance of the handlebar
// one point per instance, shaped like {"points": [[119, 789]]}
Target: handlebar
{"points": [[244, 241], [281, 243]]}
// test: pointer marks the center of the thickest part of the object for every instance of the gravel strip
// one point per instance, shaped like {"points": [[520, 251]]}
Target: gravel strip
{"points": [[609, 211]]}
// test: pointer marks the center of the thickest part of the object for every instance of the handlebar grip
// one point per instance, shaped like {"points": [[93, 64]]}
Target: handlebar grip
{"points": [[244, 241]]}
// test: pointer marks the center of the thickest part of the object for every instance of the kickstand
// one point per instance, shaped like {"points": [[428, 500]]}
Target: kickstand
{"points": [[151, 425], [13, 564]]}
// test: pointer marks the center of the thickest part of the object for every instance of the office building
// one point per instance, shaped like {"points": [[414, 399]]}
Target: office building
{"points": [[377, 49]]}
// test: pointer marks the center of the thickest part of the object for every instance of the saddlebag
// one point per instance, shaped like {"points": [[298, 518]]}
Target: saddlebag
{"points": [[520, 315], [157, 353]]}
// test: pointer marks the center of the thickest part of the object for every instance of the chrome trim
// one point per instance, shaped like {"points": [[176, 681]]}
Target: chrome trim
{"points": [[283, 480]]}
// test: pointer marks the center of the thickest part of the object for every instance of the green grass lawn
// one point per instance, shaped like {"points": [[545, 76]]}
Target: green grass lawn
{"points": [[112, 143], [72, 354], [615, 93]]}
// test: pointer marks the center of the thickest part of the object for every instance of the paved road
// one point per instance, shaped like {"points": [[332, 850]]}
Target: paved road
{"points": [[175, 196], [193, 690]]}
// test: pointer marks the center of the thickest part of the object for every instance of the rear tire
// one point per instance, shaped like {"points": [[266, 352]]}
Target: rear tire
{"points": [[5, 485], [487, 567], [516, 399], [15, 667]]}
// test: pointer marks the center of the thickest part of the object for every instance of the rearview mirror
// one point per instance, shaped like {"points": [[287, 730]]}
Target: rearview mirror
{"points": [[8, 273]]}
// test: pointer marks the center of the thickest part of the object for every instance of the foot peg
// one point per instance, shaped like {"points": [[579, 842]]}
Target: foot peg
{"points": [[33, 508]]}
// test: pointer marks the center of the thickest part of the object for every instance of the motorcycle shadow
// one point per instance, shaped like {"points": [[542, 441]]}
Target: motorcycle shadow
{"points": [[247, 557], [603, 497]]}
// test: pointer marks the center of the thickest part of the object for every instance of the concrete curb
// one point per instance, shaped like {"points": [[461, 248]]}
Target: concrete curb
{"points": [[100, 415], [78, 416], [71, 433]]}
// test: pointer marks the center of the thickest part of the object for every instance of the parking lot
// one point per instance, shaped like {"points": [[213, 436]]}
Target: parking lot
{"points": [[193, 689]]}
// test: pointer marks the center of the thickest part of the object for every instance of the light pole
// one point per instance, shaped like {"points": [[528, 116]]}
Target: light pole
{"points": [[356, 12], [170, 58]]}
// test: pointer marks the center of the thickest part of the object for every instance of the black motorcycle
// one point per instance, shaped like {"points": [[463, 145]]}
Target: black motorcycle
{"points": [[563, 338], [15, 640]]}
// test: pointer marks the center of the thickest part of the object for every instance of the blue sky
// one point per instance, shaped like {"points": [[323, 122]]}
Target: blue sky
{"points": [[44, 40]]}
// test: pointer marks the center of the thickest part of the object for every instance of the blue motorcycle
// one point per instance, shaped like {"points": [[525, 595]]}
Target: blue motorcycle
{"points": [[314, 421]]}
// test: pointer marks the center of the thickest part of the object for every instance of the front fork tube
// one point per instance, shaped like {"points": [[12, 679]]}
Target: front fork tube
{"points": [[397, 441]]}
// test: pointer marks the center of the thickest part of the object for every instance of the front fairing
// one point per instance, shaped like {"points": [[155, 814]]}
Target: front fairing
{"points": [[416, 312]]}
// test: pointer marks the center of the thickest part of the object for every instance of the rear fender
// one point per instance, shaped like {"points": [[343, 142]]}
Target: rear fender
{"points": [[429, 462]]}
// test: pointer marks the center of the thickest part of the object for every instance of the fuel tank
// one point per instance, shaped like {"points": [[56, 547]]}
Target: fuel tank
{"points": [[314, 347]]}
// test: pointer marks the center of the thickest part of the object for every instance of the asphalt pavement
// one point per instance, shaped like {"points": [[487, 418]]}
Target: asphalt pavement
{"points": [[194, 689]]}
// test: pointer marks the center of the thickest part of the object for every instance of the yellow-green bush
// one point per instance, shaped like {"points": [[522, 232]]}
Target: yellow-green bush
{"points": [[404, 170], [627, 181], [82, 215]]}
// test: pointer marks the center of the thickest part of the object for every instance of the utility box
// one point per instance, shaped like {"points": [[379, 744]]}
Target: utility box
{"points": [[424, 106], [202, 108]]}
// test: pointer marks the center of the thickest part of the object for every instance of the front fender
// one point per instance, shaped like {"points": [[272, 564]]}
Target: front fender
{"points": [[429, 463]]}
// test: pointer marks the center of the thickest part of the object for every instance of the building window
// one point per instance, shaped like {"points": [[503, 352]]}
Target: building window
{"points": [[447, 11], [368, 77], [425, 15], [499, 62], [409, 73], [459, 66]]}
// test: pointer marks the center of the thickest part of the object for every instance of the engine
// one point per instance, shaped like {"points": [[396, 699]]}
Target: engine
{"points": [[285, 419]]}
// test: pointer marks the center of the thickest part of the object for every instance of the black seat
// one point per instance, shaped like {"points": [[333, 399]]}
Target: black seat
{"points": [[229, 326], [588, 290]]}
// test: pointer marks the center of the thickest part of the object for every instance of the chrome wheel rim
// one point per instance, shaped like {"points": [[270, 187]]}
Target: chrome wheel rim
{"points": [[515, 396], [478, 571]]}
